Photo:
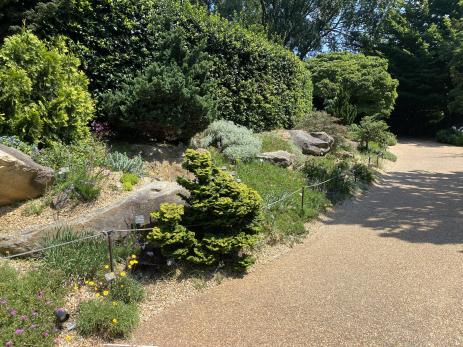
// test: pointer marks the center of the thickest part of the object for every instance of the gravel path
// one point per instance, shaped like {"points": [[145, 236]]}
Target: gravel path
{"points": [[383, 270]]}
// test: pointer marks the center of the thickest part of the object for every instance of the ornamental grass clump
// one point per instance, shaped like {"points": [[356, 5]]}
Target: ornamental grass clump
{"points": [[221, 220]]}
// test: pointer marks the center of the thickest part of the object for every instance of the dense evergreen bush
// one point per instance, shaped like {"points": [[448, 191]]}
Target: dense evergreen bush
{"points": [[43, 96], [221, 220], [234, 141], [351, 86], [450, 136], [258, 84]]}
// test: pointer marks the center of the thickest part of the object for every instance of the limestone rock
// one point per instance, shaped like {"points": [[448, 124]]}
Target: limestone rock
{"points": [[324, 137], [281, 158], [309, 144], [20, 177], [119, 215]]}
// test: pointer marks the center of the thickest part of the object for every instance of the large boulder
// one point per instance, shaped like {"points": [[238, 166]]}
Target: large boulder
{"points": [[281, 158], [324, 137], [20, 177], [309, 144], [122, 214]]}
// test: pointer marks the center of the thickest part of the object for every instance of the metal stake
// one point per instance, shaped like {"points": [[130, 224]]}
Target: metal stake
{"points": [[302, 199], [110, 249]]}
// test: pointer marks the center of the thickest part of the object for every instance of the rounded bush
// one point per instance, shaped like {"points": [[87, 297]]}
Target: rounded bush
{"points": [[43, 95], [258, 84]]}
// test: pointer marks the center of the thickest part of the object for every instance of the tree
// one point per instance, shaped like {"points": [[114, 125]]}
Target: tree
{"points": [[43, 96], [351, 86], [419, 38], [371, 129]]}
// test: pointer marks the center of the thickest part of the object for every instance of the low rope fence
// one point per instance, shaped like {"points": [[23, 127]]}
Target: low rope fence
{"points": [[109, 233]]}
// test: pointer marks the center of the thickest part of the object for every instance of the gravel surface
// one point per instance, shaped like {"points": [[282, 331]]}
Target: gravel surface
{"points": [[384, 269]]}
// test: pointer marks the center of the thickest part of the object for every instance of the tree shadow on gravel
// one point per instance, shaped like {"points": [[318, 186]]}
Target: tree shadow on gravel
{"points": [[416, 206]]}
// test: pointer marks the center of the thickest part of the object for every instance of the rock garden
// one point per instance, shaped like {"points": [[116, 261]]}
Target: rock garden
{"points": [[141, 162]]}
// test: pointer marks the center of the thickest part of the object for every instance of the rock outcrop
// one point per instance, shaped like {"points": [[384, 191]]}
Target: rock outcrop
{"points": [[281, 158], [311, 145], [117, 216], [20, 177]]}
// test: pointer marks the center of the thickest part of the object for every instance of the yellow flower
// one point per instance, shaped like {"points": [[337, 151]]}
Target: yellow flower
{"points": [[68, 338], [91, 283], [114, 321], [76, 287], [135, 261], [106, 267], [114, 303], [123, 274], [130, 266], [134, 256], [106, 292], [97, 295], [86, 282]]}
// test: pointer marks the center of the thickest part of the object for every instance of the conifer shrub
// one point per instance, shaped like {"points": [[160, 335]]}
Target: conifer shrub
{"points": [[220, 222], [43, 95]]}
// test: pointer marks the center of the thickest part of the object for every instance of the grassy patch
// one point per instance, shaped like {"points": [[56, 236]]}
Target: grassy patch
{"points": [[283, 219]]}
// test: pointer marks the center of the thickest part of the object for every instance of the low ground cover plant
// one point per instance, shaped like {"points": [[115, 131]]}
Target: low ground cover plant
{"points": [[118, 161], [221, 220], [128, 180], [27, 305], [106, 318], [234, 141]]}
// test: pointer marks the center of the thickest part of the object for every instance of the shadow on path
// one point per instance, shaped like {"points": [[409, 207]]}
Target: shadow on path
{"points": [[415, 206]]}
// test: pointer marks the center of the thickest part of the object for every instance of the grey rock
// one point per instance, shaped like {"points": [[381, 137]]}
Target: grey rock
{"points": [[21, 178], [117, 216], [281, 158], [309, 144], [324, 137]]}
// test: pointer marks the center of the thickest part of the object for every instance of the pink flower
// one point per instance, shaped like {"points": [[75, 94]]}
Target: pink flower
{"points": [[45, 334], [3, 302], [19, 331], [13, 312], [9, 343], [34, 314], [40, 295], [23, 318]]}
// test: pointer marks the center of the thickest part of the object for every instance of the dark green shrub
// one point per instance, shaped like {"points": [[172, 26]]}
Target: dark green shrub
{"points": [[450, 136], [128, 180], [363, 173], [234, 141], [126, 290], [332, 171], [106, 319], [43, 95], [371, 130], [259, 84], [220, 223], [351, 85]]}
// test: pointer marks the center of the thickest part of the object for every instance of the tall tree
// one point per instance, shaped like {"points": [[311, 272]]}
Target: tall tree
{"points": [[419, 40]]}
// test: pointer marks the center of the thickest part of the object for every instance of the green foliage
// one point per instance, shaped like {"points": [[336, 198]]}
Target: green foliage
{"points": [[128, 180], [450, 136], [363, 173], [421, 40], [352, 85], [27, 304], [272, 141], [369, 130], [258, 84], [106, 319], [234, 141], [78, 260], [332, 171], [117, 161], [171, 99], [43, 95], [15, 142], [322, 121], [126, 290], [220, 222]]}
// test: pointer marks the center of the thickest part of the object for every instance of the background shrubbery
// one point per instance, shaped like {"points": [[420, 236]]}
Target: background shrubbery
{"points": [[258, 84], [43, 95], [450, 136]]}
